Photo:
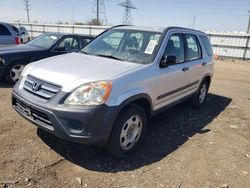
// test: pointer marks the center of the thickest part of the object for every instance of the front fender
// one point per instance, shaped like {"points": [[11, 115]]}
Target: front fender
{"points": [[129, 95]]}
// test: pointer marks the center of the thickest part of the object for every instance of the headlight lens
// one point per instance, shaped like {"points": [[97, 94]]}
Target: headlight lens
{"points": [[94, 93], [2, 61]]}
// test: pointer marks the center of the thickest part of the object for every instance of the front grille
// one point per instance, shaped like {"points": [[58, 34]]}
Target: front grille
{"points": [[33, 114], [40, 88]]}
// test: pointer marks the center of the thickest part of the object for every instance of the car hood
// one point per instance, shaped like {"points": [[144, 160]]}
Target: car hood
{"points": [[18, 49], [75, 69]]}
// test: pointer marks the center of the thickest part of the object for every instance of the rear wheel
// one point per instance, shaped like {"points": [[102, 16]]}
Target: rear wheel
{"points": [[128, 132], [200, 98], [13, 72]]}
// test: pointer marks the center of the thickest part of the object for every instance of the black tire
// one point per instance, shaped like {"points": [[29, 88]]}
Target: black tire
{"points": [[9, 74], [114, 146], [198, 100]]}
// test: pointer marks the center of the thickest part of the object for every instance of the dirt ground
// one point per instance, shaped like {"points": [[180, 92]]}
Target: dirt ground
{"points": [[185, 147]]}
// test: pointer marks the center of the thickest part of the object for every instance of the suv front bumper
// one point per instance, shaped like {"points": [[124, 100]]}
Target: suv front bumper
{"points": [[2, 71], [86, 125]]}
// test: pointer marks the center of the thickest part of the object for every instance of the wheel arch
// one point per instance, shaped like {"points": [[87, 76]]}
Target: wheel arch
{"points": [[10, 65], [207, 77], [142, 100], [17, 60]]}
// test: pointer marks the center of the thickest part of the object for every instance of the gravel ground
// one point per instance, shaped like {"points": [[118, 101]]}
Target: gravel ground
{"points": [[185, 147]]}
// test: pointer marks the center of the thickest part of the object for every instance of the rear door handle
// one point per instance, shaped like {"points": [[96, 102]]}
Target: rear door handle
{"points": [[204, 63], [185, 69]]}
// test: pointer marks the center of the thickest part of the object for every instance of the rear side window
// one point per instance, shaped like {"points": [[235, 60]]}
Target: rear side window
{"points": [[193, 48], [4, 30], [207, 45], [70, 44]]}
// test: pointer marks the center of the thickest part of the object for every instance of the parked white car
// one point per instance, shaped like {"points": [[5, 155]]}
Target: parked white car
{"points": [[24, 35], [106, 93]]}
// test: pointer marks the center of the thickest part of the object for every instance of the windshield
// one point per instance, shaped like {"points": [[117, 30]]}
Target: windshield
{"points": [[125, 45], [45, 40]]}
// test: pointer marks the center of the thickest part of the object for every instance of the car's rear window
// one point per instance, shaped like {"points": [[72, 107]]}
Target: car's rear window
{"points": [[207, 45], [15, 29]]}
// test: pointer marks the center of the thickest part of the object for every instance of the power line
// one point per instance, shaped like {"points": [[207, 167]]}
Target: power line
{"points": [[128, 5], [27, 8]]}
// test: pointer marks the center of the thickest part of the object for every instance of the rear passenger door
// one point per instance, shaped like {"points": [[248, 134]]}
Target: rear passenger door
{"points": [[172, 80], [193, 58], [181, 79]]}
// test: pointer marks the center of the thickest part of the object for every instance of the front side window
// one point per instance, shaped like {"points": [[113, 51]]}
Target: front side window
{"points": [[125, 45], [193, 48], [175, 47], [45, 40]]}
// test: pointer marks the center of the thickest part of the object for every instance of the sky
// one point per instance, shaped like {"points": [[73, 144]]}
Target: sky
{"points": [[227, 15]]}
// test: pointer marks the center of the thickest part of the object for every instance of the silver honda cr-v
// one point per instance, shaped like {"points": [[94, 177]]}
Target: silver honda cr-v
{"points": [[105, 93]]}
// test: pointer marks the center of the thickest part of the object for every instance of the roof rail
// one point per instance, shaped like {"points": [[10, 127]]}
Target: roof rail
{"points": [[119, 26], [176, 27]]}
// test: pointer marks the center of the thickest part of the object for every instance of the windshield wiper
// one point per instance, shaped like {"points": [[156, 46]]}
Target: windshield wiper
{"points": [[84, 52], [109, 56], [101, 55]]}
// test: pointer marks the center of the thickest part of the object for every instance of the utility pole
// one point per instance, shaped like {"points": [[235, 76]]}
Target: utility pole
{"points": [[27, 8], [97, 12], [194, 22], [127, 17], [247, 42], [248, 27], [72, 14]]}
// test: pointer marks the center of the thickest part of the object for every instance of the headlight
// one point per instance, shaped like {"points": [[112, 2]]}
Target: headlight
{"points": [[2, 61], [94, 93]]}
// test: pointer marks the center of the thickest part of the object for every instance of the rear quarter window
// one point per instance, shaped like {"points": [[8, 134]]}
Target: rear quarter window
{"points": [[207, 45], [4, 31]]}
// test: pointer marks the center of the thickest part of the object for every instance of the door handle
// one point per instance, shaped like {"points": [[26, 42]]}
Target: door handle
{"points": [[185, 69], [204, 63]]}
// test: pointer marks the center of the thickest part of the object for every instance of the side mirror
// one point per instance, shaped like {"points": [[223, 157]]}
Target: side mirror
{"points": [[168, 60], [59, 49]]}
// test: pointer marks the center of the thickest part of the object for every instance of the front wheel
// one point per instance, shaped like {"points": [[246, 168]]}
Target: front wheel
{"points": [[128, 132], [13, 72]]}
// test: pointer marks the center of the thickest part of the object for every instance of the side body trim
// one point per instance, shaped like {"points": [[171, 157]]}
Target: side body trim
{"points": [[177, 90]]}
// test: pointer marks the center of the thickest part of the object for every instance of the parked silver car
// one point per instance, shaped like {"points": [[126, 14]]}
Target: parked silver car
{"points": [[10, 34], [106, 93]]}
